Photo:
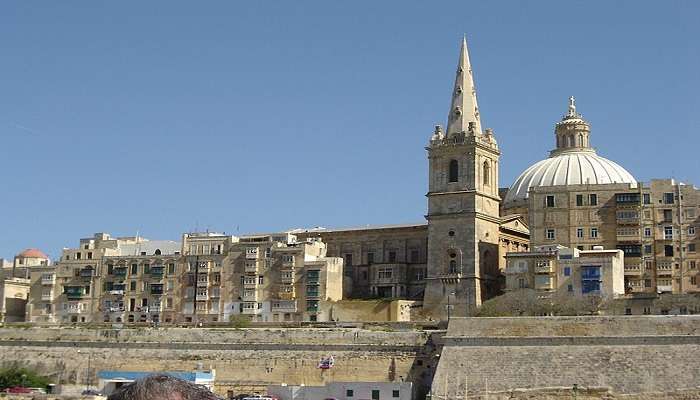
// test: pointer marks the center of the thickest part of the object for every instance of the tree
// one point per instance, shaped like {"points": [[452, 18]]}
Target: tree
{"points": [[14, 376]]}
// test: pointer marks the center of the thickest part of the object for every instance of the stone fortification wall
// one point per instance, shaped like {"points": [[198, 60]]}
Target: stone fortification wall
{"points": [[652, 325], [241, 357], [626, 354]]}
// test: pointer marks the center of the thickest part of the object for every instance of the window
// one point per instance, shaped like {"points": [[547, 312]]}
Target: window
{"points": [[690, 213], [486, 171], [453, 267], [171, 268], [647, 232], [370, 257], [521, 283], [375, 394], [647, 249], [395, 393], [691, 247], [385, 273], [579, 232], [594, 233], [628, 311], [667, 215], [415, 255], [579, 200], [668, 232], [691, 264], [549, 201], [590, 279], [550, 234], [132, 285], [392, 256], [261, 279], [691, 231], [668, 198], [569, 288], [349, 393], [647, 198], [668, 250], [134, 269], [77, 256], [454, 171], [567, 271], [89, 255], [348, 260], [593, 199], [579, 247], [693, 280]]}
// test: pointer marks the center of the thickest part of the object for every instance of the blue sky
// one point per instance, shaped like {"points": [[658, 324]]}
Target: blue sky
{"points": [[165, 116]]}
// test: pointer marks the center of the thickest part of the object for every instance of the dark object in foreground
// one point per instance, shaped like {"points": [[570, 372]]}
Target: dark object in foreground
{"points": [[162, 387]]}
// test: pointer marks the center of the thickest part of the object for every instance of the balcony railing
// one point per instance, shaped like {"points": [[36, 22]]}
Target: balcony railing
{"points": [[157, 271], [202, 297], [47, 296], [666, 271], [117, 292], [202, 283], [157, 292], [251, 256], [116, 309], [251, 268], [48, 280], [250, 283], [544, 269], [633, 270], [289, 306], [250, 296]]}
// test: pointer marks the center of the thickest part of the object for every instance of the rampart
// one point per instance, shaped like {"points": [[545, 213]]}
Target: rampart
{"points": [[635, 354], [243, 358]]}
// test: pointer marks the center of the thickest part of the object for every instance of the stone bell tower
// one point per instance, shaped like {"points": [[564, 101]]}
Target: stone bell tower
{"points": [[463, 217]]}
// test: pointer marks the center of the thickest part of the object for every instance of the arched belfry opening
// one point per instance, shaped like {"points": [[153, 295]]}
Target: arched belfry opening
{"points": [[454, 171]]}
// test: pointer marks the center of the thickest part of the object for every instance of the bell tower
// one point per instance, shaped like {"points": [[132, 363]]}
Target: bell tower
{"points": [[463, 217]]}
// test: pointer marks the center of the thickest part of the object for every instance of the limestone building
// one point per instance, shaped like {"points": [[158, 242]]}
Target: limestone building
{"points": [[460, 253], [558, 269], [208, 277], [578, 199]]}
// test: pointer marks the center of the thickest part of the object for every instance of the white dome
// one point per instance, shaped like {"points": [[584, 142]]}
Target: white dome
{"points": [[573, 167]]}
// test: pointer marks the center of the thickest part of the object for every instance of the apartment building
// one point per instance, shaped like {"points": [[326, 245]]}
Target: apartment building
{"points": [[558, 269], [208, 277]]}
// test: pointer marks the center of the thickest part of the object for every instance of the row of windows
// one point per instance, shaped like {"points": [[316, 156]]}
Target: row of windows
{"points": [[453, 172], [668, 198], [391, 257]]}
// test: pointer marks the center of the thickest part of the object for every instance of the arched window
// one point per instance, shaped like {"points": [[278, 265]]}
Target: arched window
{"points": [[454, 171], [453, 266], [580, 140], [571, 141], [486, 173], [157, 252]]}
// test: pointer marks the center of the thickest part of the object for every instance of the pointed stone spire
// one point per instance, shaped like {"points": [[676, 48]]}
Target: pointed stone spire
{"points": [[464, 108]]}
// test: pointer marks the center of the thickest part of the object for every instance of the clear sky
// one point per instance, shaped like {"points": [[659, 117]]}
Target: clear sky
{"points": [[167, 116]]}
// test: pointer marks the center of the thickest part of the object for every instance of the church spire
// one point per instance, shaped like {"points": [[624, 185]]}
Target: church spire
{"points": [[464, 109]]}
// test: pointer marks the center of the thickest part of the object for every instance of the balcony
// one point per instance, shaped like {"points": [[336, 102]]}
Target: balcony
{"points": [[251, 296], [286, 306], [116, 292], [74, 292], [252, 311], [312, 294], [72, 310], [250, 283], [202, 297], [628, 220], [289, 279], [251, 255], [116, 309], [544, 268], [628, 236], [253, 267], [119, 271], [664, 271], [48, 279], [634, 270], [286, 295], [157, 271], [202, 282], [157, 290], [47, 296]]}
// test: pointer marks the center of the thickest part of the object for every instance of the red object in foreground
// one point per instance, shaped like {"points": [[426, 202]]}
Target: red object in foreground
{"points": [[18, 389]]}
